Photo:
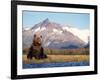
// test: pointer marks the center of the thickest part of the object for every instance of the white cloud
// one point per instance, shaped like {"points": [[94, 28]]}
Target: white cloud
{"points": [[82, 34]]}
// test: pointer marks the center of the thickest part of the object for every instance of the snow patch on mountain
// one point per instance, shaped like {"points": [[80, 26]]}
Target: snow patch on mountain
{"points": [[27, 28], [43, 28], [57, 31], [47, 44], [37, 29]]}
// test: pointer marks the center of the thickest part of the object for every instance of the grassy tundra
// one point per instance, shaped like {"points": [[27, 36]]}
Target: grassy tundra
{"points": [[63, 55]]}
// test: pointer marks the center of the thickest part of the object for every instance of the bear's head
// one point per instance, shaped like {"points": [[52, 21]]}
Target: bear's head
{"points": [[37, 40]]}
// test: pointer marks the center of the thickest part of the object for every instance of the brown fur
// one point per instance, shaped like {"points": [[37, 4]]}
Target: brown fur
{"points": [[36, 47]]}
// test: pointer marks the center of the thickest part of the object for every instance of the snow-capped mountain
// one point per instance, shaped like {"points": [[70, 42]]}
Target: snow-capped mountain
{"points": [[54, 36]]}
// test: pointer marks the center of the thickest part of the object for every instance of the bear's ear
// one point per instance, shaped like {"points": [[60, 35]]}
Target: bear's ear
{"points": [[34, 35]]}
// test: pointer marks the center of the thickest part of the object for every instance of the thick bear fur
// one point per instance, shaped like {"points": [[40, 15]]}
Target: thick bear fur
{"points": [[36, 50]]}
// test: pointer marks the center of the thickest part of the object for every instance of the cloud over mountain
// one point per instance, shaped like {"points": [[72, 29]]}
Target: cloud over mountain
{"points": [[83, 34]]}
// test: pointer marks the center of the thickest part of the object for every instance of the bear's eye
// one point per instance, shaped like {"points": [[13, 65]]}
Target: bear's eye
{"points": [[34, 35]]}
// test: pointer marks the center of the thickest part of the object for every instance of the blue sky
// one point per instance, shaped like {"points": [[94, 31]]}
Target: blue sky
{"points": [[79, 20]]}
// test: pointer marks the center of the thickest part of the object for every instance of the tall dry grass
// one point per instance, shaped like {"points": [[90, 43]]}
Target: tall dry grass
{"points": [[57, 58]]}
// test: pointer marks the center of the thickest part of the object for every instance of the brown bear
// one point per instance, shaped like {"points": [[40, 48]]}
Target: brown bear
{"points": [[36, 50]]}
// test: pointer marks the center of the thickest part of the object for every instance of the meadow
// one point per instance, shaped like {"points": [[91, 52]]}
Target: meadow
{"points": [[56, 55]]}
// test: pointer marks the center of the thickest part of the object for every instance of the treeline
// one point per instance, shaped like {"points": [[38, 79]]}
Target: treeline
{"points": [[80, 51]]}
